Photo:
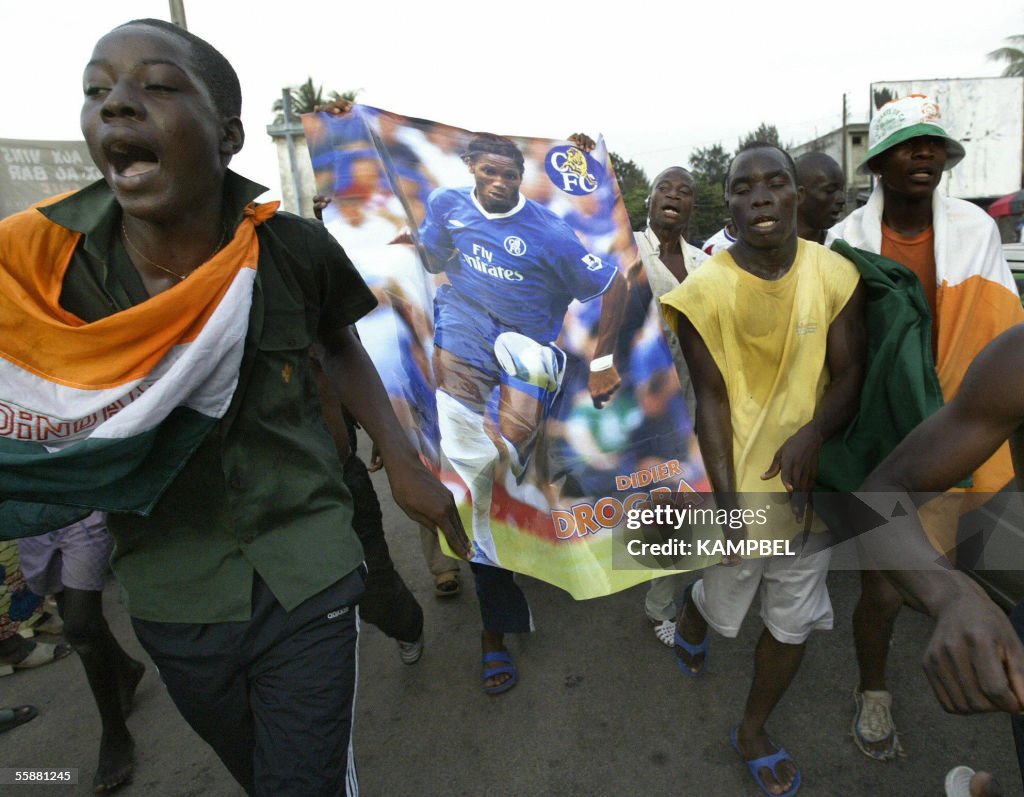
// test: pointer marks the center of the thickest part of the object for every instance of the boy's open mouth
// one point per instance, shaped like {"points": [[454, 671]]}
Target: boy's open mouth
{"points": [[131, 160]]}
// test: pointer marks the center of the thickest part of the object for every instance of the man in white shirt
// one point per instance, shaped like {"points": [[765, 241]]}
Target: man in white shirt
{"points": [[667, 258]]}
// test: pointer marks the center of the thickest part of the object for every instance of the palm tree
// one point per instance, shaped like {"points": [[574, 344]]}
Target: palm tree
{"points": [[306, 97], [1012, 54]]}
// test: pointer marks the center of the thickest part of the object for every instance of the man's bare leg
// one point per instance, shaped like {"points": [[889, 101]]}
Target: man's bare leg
{"points": [[113, 677], [873, 622], [491, 642], [775, 665]]}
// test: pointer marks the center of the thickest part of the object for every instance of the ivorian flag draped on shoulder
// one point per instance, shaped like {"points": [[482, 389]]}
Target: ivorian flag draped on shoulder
{"points": [[103, 415]]}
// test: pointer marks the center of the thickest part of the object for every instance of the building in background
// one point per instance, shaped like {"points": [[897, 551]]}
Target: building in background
{"points": [[986, 114], [858, 186], [31, 171]]}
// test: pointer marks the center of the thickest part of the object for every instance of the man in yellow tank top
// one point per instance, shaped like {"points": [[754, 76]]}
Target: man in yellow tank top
{"points": [[772, 331]]}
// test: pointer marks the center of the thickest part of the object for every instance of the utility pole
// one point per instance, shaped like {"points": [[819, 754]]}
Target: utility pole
{"points": [[178, 13], [293, 162], [846, 166]]}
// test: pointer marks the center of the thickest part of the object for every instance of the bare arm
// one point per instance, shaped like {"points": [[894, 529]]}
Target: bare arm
{"points": [[330, 408], [713, 423], [416, 490], [797, 458], [604, 383], [974, 660]]}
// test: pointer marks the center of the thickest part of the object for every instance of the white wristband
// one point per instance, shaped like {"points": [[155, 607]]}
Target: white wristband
{"points": [[601, 363]]}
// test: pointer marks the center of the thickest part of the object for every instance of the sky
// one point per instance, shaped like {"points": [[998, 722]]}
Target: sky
{"points": [[657, 79]]}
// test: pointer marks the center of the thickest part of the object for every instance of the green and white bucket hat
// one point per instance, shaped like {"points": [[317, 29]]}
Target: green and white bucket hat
{"points": [[905, 118]]}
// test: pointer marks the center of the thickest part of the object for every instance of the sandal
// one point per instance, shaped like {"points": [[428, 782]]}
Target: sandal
{"points": [[770, 761], [41, 653], [505, 665], [446, 585], [15, 716], [664, 631], [42, 622], [701, 648]]}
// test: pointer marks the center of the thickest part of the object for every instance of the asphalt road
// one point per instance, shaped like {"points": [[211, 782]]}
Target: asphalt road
{"points": [[600, 709]]}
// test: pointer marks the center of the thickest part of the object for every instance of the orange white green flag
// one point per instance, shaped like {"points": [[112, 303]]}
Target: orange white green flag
{"points": [[103, 415]]}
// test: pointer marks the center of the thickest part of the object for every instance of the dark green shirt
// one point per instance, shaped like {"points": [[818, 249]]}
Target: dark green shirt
{"points": [[264, 493]]}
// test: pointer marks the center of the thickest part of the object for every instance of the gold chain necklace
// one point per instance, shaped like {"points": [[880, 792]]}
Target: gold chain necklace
{"points": [[179, 277]]}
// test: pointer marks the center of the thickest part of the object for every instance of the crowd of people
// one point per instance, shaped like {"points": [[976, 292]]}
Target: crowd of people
{"points": [[242, 580]]}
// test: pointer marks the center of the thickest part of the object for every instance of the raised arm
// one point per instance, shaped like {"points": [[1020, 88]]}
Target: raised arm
{"points": [[604, 376]]}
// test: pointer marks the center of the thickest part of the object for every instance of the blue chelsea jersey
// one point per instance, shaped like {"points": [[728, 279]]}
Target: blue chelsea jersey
{"points": [[522, 268]]}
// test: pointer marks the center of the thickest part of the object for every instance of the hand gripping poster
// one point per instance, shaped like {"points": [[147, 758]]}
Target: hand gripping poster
{"points": [[516, 336]]}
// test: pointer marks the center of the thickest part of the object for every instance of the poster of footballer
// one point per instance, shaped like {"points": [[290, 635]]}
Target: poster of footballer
{"points": [[513, 335]]}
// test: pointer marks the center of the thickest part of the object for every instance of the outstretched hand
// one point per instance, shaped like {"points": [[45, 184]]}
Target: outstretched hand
{"points": [[974, 660], [422, 497]]}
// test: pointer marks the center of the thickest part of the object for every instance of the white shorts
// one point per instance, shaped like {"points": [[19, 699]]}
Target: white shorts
{"points": [[76, 556], [794, 596]]}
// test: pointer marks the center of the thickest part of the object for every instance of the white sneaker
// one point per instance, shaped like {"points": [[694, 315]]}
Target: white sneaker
{"points": [[873, 723], [958, 782], [410, 652]]}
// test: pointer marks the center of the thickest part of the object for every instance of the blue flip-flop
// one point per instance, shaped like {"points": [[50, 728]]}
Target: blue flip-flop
{"points": [[505, 666], [694, 650], [755, 765], [16, 715]]}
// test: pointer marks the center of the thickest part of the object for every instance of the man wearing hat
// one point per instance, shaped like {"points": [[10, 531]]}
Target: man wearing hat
{"points": [[954, 249]]}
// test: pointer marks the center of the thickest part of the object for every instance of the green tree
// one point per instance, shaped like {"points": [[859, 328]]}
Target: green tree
{"points": [[708, 165], [306, 97], [769, 134], [635, 189], [1013, 54]]}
